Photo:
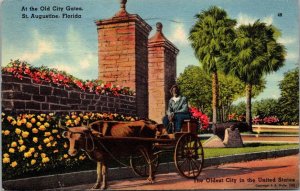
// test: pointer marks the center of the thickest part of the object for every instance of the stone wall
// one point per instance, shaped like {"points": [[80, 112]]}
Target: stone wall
{"points": [[27, 96]]}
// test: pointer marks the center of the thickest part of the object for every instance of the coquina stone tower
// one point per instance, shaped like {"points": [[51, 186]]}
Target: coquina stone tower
{"points": [[123, 54], [162, 73]]}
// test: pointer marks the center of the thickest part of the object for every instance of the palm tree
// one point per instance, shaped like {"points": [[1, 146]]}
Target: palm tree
{"points": [[210, 37], [255, 53]]}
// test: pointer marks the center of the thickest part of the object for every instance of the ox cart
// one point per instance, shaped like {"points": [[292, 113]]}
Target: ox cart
{"points": [[185, 146]]}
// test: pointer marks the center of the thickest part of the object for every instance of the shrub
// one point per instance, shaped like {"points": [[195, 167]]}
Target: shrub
{"points": [[33, 142]]}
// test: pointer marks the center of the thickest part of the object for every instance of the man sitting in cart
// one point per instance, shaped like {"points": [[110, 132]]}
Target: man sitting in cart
{"points": [[177, 111]]}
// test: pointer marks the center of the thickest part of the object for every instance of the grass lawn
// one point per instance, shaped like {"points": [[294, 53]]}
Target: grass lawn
{"points": [[248, 148]]}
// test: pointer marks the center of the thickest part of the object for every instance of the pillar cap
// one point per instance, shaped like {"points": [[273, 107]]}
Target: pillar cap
{"points": [[122, 12], [159, 39]]}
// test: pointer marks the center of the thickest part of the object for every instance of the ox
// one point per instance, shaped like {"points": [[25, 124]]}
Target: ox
{"points": [[88, 139]]}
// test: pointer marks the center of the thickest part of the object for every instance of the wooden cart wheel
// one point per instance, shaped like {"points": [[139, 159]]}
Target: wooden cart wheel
{"points": [[139, 164], [189, 155]]}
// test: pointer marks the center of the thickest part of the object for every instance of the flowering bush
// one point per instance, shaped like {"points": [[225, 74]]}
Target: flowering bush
{"points": [[270, 120], [39, 74], [236, 117], [33, 142], [201, 116]]}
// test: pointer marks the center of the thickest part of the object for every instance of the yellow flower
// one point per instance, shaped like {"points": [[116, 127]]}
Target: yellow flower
{"points": [[85, 117], [54, 144], [65, 145], [43, 155], [6, 155], [13, 122], [58, 136], [69, 122], [36, 155], [35, 139], [32, 150], [65, 156], [46, 140], [11, 150], [14, 164], [35, 130], [42, 119], [46, 124], [43, 115], [51, 138], [13, 144], [24, 121], [33, 161], [21, 142], [27, 154], [33, 120], [74, 116], [25, 134], [40, 147], [6, 132], [45, 160], [18, 131], [22, 148], [81, 157], [38, 124], [28, 125], [48, 145], [42, 128], [9, 118], [67, 117], [47, 134], [6, 160], [54, 131], [19, 123]]}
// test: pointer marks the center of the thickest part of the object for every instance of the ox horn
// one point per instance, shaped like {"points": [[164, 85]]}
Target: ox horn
{"points": [[60, 125]]}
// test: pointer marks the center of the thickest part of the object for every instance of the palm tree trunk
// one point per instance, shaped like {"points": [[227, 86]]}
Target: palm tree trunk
{"points": [[215, 95], [248, 105]]}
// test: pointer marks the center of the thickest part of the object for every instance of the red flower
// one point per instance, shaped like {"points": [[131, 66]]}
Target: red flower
{"points": [[199, 115]]}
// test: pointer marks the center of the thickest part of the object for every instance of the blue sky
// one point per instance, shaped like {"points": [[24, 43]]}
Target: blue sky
{"points": [[71, 44]]}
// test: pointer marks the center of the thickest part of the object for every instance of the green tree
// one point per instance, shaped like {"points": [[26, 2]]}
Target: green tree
{"points": [[265, 107], [210, 37], [195, 84], [289, 97], [255, 53]]}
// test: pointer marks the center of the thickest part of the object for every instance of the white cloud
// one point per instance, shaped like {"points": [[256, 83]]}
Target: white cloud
{"points": [[287, 40], [179, 34], [63, 67], [292, 56], [86, 62], [244, 19], [41, 46]]}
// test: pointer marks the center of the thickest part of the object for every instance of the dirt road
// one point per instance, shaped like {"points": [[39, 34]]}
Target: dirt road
{"points": [[278, 173]]}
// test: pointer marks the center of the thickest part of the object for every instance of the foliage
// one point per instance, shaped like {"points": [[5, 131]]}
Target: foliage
{"points": [[204, 120], [289, 98], [265, 107], [255, 53], [39, 74], [33, 143], [195, 84], [210, 37]]}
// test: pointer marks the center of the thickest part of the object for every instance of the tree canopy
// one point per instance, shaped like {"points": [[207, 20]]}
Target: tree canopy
{"points": [[289, 97]]}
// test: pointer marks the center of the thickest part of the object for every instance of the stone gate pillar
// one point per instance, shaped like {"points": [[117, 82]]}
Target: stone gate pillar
{"points": [[123, 54], [162, 73]]}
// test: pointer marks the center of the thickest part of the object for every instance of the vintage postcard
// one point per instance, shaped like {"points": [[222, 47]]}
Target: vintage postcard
{"points": [[150, 94]]}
